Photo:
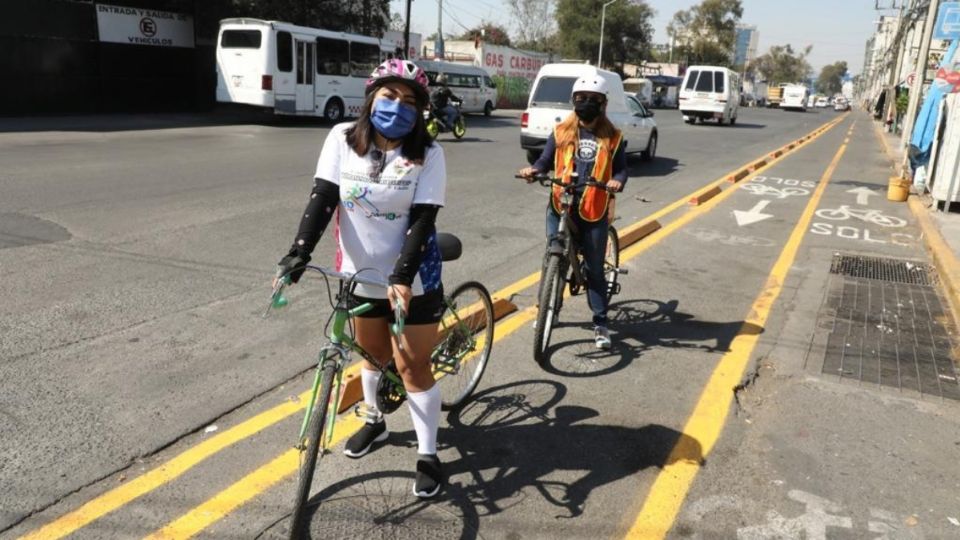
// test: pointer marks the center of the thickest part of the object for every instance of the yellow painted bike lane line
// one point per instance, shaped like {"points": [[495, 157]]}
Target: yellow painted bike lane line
{"points": [[705, 424], [280, 467]]}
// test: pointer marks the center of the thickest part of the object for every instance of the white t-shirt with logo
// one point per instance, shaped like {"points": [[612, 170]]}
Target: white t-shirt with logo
{"points": [[374, 212]]}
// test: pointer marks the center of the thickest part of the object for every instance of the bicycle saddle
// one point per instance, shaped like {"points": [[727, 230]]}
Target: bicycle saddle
{"points": [[450, 247]]}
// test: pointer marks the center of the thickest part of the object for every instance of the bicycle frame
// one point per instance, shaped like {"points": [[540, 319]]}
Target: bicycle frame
{"points": [[566, 235]]}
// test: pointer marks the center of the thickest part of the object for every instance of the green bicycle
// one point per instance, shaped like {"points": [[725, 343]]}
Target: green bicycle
{"points": [[459, 359]]}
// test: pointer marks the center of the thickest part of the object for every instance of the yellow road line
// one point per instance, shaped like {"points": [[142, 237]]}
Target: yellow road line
{"points": [[706, 423], [268, 475], [181, 463]]}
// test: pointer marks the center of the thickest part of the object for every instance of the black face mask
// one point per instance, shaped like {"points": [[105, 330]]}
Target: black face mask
{"points": [[587, 110]]}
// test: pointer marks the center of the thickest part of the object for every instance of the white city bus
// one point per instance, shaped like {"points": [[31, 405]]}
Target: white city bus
{"points": [[293, 69]]}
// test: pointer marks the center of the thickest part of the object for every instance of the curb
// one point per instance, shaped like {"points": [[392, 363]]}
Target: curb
{"points": [[635, 234], [943, 257], [704, 196]]}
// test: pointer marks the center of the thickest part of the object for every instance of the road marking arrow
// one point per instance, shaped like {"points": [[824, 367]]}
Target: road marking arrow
{"points": [[753, 215], [863, 194]]}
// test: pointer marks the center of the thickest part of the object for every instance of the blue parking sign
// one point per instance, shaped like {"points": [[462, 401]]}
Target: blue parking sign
{"points": [[948, 21]]}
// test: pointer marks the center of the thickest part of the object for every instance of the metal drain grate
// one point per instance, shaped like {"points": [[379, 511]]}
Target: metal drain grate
{"points": [[892, 270]]}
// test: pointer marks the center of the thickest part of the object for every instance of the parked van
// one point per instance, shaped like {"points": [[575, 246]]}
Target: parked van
{"points": [[550, 103], [469, 83], [710, 92]]}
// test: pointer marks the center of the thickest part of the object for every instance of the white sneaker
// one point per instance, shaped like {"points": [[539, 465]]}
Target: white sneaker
{"points": [[601, 337]]}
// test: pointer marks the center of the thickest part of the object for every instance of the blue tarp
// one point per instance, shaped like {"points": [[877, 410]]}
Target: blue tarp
{"points": [[925, 128]]}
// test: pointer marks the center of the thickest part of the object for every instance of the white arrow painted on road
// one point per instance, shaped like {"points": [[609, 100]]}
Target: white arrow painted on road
{"points": [[753, 215], [863, 194]]}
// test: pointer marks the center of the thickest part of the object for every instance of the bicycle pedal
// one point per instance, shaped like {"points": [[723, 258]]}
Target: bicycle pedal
{"points": [[623, 271], [613, 288], [367, 413]]}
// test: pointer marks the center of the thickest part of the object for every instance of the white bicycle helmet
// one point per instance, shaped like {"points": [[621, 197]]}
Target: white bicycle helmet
{"points": [[591, 83]]}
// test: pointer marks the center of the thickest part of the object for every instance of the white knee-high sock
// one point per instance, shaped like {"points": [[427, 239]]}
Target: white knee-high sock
{"points": [[425, 411], [369, 381]]}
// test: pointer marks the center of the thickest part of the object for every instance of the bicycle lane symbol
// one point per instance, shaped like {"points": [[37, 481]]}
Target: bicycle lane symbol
{"points": [[857, 226], [820, 520]]}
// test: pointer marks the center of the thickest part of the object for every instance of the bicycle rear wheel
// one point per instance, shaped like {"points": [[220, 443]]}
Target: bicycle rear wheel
{"points": [[611, 262], [466, 339], [310, 446], [551, 294]]}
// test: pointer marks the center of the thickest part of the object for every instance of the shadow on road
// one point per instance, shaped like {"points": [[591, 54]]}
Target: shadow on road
{"points": [[660, 166]]}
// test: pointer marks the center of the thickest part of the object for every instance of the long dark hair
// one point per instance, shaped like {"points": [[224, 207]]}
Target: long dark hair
{"points": [[415, 143]]}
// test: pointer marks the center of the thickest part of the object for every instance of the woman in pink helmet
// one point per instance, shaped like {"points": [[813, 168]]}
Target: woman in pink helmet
{"points": [[387, 180]]}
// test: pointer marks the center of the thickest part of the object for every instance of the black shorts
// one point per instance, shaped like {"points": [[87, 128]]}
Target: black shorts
{"points": [[424, 309]]}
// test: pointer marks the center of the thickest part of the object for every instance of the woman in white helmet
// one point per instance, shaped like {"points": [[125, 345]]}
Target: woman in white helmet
{"points": [[586, 145]]}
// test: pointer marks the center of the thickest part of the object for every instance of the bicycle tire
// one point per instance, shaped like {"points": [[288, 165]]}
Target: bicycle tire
{"points": [[309, 453], [549, 309], [611, 262], [461, 339]]}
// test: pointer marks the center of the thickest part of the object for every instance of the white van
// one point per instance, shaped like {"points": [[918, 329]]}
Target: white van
{"points": [[549, 104], [710, 92], [641, 88], [471, 84], [795, 97]]}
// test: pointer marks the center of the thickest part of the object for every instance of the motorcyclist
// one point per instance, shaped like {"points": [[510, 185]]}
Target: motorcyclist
{"points": [[440, 103]]}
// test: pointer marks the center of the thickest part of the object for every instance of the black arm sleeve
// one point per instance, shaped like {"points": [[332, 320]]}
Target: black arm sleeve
{"points": [[423, 223], [323, 202]]}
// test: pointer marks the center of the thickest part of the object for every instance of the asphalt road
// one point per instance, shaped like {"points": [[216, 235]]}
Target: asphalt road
{"points": [[135, 264]]}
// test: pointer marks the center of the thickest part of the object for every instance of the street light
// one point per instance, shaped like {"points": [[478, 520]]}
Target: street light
{"points": [[603, 16]]}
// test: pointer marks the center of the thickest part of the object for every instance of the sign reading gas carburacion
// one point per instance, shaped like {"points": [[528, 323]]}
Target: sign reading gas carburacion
{"points": [[135, 26]]}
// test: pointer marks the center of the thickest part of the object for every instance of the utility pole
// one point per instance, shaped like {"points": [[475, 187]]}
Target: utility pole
{"points": [[406, 32], [438, 47], [918, 80], [603, 16]]}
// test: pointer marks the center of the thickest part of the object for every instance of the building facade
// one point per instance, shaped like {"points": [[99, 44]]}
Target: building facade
{"points": [[745, 48]]}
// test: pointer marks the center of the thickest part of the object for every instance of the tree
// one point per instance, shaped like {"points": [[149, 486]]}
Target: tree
{"points": [[367, 17], [781, 64], [707, 32], [830, 81], [397, 24], [535, 22], [626, 34], [487, 32]]}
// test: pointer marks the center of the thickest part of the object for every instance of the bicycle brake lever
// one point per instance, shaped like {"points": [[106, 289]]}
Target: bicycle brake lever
{"points": [[277, 299]]}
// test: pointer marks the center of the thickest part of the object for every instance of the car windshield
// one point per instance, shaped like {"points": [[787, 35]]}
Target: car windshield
{"points": [[555, 91]]}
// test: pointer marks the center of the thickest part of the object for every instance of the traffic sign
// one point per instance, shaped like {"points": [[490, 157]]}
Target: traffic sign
{"points": [[948, 21]]}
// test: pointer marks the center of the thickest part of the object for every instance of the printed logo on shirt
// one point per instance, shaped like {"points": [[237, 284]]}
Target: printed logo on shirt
{"points": [[357, 200], [587, 150]]}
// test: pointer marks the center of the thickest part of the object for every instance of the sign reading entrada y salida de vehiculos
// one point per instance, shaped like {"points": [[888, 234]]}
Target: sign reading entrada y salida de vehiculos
{"points": [[136, 26]]}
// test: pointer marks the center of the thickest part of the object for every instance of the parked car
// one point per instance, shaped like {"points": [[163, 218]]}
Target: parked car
{"points": [[710, 92], [841, 104], [823, 102], [550, 103]]}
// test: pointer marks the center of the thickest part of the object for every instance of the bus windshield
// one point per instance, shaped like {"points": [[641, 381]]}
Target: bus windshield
{"points": [[241, 39]]}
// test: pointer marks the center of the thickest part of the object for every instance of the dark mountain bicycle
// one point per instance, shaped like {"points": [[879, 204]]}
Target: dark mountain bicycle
{"points": [[564, 265], [459, 360]]}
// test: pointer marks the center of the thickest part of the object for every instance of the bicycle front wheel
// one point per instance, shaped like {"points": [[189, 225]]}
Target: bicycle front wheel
{"points": [[310, 449], [611, 262], [551, 294], [466, 339]]}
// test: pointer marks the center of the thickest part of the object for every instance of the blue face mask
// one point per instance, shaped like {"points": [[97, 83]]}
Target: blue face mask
{"points": [[393, 119]]}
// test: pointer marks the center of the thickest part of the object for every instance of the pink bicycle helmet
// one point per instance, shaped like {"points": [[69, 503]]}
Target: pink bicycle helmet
{"points": [[399, 70]]}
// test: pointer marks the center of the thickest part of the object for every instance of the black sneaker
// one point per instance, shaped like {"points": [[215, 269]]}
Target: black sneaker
{"points": [[360, 443], [429, 477]]}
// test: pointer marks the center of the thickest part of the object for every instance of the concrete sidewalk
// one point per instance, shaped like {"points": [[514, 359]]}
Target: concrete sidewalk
{"points": [[941, 230]]}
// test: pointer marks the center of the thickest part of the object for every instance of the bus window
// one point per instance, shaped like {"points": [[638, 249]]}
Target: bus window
{"points": [[473, 81], [705, 82], [333, 56], [718, 82], [364, 57], [691, 80], [284, 52], [240, 39], [488, 82]]}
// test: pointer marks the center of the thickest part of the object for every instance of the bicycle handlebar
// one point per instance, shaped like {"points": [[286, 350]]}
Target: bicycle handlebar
{"points": [[546, 179]]}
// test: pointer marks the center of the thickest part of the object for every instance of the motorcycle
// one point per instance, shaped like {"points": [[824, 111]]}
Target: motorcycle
{"points": [[436, 125]]}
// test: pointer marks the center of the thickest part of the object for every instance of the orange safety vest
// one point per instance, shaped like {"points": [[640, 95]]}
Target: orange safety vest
{"points": [[594, 201]]}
